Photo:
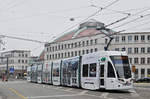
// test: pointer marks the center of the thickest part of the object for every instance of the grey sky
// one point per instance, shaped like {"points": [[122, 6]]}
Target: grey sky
{"points": [[45, 19]]}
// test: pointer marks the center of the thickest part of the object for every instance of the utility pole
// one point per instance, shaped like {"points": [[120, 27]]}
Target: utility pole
{"points": [[7, 69]]}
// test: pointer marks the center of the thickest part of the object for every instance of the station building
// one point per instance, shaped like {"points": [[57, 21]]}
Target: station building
{"points": [[89, 37]]}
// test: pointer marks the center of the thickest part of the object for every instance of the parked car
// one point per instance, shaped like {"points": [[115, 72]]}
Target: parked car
{"points": [[144, 80]]}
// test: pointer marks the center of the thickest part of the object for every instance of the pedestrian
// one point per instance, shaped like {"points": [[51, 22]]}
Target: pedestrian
{"points": [[3, 77]]}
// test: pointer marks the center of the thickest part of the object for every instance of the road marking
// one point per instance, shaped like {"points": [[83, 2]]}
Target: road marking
{"points": [[134, 93], [83, 92], [53, 96], [104, 95], [68, 89], [17, 93]]}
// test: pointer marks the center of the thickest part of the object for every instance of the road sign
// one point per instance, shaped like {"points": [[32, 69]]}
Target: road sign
{"points": [[11, 70]]}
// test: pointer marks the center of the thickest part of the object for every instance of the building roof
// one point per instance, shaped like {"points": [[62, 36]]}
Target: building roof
{"points": [[88, 28]]}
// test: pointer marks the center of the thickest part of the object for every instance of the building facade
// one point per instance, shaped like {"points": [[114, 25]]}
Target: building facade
{"points": [[90, 37], [137, 45], [17, 60]]}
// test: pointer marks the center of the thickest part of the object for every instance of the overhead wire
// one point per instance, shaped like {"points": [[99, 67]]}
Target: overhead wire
{"points": [[20, 38], [133, 20], [93, 14]]}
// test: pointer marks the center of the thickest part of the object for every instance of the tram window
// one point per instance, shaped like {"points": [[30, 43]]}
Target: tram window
{"points": [[92, 72], [85, 70], [102, 71], [110, 71], [56, 72]]}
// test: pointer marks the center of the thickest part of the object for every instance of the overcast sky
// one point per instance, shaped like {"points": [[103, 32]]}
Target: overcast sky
{"points": [[44, 20]]}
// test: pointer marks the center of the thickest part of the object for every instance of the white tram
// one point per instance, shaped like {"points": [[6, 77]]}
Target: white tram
{"points": [[39, 73], [29, 73], [108, 70]]}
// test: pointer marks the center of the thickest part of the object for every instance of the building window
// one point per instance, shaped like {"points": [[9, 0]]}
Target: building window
{"points": [[26, 61], [87, 42], [79, 53], [68, 54], [47, 57], [83, 52], [87, 51], [124, 49], [79, 44], [71, 45], [58, 47], [148, 50], [130, 60], [142, 50], [148, 72], [136, 38], [22, 55], [129, 38], [148, 37], [129, 50], [68, 45], [47, 49], [50, 49], [142, 73], [136, 60], [116, 49], [91, 50], [83, 43], [117, 39], [91, 42], [62, 55], [62, 47], [55, 48], [136, 73], [22, 61], [72, 54], [123, 38], [95, 49], [148, 60], [19, 55], [76, 53], [65, 46], [26, 55], [75, 44], [142, 38], [142, 60], [50, 56], [65, 54], [55, 56], [136, 50], [95, 41], [19, 61]]}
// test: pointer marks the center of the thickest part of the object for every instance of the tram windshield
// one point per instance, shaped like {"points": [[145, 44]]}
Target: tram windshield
{"points": [[122, 66]]}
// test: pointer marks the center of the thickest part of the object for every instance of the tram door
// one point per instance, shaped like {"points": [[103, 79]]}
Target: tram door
{"points": [[102, 75]]}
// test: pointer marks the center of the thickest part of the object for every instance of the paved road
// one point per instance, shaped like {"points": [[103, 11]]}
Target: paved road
{"points": [[25, 90]]}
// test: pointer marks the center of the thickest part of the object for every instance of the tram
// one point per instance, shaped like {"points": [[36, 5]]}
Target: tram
{"points": [[29, 73], [108, 70]]}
